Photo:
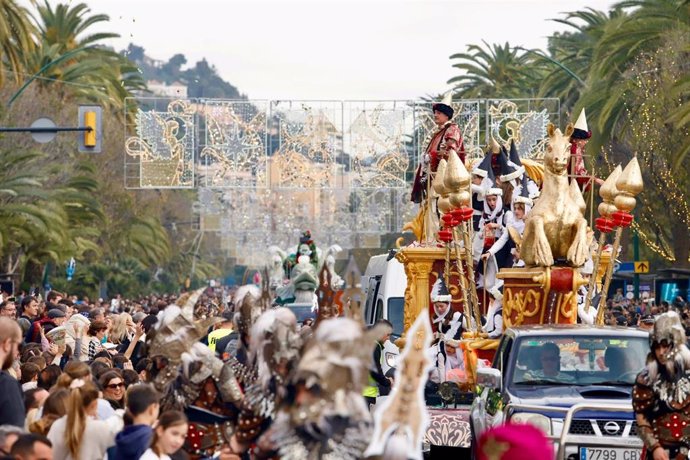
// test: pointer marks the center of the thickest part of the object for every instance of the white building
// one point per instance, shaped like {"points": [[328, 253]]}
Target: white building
{"points": [[176, 89]]}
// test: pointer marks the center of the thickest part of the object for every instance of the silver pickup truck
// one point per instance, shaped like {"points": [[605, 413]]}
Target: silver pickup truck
{"points": [[574, 382]]}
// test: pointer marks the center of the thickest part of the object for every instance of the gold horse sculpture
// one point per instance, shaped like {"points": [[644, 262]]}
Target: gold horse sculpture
{"points": [[556, 227]]}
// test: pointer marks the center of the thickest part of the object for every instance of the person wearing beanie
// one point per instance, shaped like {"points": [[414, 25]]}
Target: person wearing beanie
{"points": [[54, 318]]}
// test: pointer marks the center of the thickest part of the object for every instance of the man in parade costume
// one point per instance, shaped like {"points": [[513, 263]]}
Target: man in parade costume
{"points": [[661, 395], [447, 139]]}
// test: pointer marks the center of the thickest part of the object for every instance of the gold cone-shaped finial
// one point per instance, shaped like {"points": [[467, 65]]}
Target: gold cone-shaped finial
{"points": [[629, 185], [440, 188], [494, 146], [608, 192], [438, 182], [456, 177], [457, 181]]}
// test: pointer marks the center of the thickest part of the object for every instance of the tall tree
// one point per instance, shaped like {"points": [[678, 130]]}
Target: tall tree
{"points": [[69, 54], [69, 26], [16, 37], [570, 54], [495, 71]]}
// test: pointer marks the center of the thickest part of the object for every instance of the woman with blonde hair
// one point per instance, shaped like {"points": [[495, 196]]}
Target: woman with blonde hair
{"points": [[79, 435], [121, 328]]}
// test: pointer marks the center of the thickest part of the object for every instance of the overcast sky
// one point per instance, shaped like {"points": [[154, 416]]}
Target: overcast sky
{"points": [[331, 49]]}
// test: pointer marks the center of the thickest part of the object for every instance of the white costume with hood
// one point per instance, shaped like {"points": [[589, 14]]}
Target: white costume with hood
{"points": [[494, 316], [585, 317], [487, 277]]}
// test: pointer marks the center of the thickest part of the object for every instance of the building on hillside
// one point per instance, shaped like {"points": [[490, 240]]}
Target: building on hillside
{"points": [[176, 89]]}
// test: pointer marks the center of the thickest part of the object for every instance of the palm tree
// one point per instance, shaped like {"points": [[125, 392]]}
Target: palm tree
{"points": [[68, 54], [30, 218], [633, 33], [495, 71], [16, 37], [643, 29], [637, 97], [65, 26], [570, 54]]}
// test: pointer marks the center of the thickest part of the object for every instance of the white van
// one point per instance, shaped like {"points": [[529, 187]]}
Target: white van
{"points": [[384, 284]]}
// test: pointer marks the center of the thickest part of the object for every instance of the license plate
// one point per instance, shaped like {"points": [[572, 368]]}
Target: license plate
{"points": [[609, 453]]}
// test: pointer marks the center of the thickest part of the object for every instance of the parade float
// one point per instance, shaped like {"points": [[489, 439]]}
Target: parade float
{"points": [[555, 246], [559, 269]]}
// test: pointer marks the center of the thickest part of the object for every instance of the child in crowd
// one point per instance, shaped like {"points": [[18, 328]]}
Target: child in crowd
{"points": [[142, 413], [168, 437]]}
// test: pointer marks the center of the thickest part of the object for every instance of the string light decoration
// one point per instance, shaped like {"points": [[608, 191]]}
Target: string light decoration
{"points": [[268, 170], [524, 121], [377, 143], [310, 140], [234, 150], [655, 140], [160, 146]]}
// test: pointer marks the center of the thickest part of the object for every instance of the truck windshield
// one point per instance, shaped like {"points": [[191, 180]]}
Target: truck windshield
{"points": [[579, 360]]}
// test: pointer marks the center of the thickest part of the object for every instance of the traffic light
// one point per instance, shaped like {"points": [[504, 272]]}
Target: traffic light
{"points": [[90, 122], [90, 116]]}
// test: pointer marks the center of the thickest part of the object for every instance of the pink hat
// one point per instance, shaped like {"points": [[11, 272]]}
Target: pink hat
{"points": [[515, 442]]}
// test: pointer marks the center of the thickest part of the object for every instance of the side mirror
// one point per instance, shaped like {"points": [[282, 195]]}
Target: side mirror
{"points": [[489, 377]]}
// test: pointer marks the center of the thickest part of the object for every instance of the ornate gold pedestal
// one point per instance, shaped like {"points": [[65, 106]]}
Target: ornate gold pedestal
{"points": [[423, 266], [540, 295]]}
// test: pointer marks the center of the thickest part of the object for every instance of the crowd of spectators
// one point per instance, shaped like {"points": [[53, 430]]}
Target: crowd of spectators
{"points": [[622, 311], [75, 378]]}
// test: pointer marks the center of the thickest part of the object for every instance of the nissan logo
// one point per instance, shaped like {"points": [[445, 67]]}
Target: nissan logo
{"points": [[612, 427]]}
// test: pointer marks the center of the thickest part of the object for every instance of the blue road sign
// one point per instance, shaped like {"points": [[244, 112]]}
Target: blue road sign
{"points": [[624, 267]]}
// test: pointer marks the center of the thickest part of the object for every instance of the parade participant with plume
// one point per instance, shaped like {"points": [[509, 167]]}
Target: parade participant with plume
{"points": [[325, 415], [275, 344], [661, 395], [192, 379]]}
